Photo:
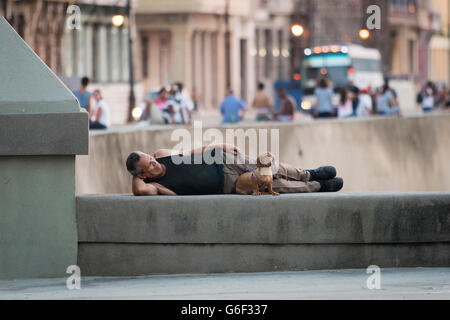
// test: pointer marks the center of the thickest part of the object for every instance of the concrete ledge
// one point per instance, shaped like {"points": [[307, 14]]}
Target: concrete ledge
{"points": [[44, 134], [121, 235], [107, 259], [289, 219]]}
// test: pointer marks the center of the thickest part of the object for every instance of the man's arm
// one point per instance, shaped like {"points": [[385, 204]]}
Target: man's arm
{"points": [[89, 108], [169, 152], [140, 188]]}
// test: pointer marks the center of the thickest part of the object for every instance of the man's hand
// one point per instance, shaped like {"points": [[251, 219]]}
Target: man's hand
{"points": [[231, 148]]}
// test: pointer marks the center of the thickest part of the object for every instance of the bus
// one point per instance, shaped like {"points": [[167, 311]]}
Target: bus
{"points": [[341, 64]]}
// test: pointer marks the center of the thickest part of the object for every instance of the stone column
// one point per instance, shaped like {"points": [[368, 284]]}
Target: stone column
{"points": [[275, 54], [261, 60], [42, 128], [207, 70], [220, 69], [180, 55], [284, 61]]}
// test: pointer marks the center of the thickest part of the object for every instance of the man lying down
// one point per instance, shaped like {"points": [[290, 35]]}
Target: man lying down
{"points": [[178, 172]]}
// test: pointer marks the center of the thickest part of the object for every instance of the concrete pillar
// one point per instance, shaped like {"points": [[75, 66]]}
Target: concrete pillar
{"points": [[154, 65], [275, 54], [261, 49], [102, 54], [198, 67], [221, 71], [124, 47], [114, 54], [284, 60], [207, 70], [180, 55], [89, 51], [68, 53], [41, 130]]}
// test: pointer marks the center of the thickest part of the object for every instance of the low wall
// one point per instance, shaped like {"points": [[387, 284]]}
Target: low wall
{"points": [[374, 154], [123, 235]]}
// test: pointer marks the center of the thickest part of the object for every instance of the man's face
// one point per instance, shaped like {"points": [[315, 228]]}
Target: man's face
{"points": [[150, 167], [96, 96]]}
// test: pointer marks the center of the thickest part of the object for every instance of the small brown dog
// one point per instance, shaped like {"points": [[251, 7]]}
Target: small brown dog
{"points": [[258, 180]]}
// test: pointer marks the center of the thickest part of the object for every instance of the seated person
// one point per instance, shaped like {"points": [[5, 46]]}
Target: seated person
{"points": [[159, 174], [171, 113], [101, 115]]}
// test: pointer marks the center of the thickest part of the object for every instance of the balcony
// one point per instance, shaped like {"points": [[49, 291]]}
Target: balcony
{"points": [[236, 7]]}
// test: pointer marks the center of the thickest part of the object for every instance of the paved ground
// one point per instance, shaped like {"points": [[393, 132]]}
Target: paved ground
{"points": [[402, 283]]}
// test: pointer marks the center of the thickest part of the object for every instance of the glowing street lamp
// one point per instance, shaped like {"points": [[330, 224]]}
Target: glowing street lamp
{"points": [[364, 34], [118, 20], [297, 30]]}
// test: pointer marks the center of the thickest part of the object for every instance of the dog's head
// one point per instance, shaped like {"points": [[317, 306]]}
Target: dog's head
{"points": [[265, 160]]}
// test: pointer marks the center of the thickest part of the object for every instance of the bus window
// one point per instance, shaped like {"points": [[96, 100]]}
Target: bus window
{"points": [[369, 65]]}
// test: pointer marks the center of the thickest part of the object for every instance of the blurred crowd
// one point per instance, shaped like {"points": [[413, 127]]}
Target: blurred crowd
{"points": [[352, 102], [173, 105], [169, 105]]}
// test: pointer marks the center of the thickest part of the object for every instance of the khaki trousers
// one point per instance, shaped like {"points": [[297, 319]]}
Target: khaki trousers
{"points": [[286, 180]]}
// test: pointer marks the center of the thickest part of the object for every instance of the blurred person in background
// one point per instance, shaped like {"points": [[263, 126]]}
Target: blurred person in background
{"points": [[161, 99], [288, 106], [101, 115], [446, 103], [441, 96], [172, 113], [345, 107], [386, 102], [83, 95], [365, 105], [428, 96], [195, 99], [323, 93], [354, 93], [154, 106], [263, 104], [183, 100], [232, 108]]}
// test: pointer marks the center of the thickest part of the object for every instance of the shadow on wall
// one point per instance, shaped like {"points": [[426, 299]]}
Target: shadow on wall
{"points": [[376, 154]]}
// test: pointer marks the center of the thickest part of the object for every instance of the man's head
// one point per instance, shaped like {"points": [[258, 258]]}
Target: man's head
{"points": [[229, 92], [84, 81], [260, 86], [282, 93], [179, 86], [97, 95], [143, 165]]}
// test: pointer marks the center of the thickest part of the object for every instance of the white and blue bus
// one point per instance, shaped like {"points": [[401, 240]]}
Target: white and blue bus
{"points": [[341, 64]]}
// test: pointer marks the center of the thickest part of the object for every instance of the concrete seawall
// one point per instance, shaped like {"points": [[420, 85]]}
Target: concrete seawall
{"points": [[374, 154], [123, 235]]}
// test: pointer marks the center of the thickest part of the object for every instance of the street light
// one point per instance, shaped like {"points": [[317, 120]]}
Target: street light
{"points": [[297, 30], [118, 20], [364, 34], [131, 98]]}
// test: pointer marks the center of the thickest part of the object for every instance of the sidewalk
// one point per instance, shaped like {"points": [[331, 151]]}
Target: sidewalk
{"points": [[398, 283]]}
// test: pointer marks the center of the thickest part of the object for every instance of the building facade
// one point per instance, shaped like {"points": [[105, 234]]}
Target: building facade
{"points": [[42, 25], [186, 41], [79, 41], [413, 24], [439, 50]]}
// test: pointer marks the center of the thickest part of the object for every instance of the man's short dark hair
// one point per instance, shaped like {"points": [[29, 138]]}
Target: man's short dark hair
{"points": [[261, 85], [179, 86], [84, 81], [132, 161]]}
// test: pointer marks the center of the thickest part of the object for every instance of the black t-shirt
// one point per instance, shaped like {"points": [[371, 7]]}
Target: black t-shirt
{"points": [[189, 178]]}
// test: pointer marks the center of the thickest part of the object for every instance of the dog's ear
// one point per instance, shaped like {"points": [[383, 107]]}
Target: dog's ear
{"points": [[258, 162]]}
